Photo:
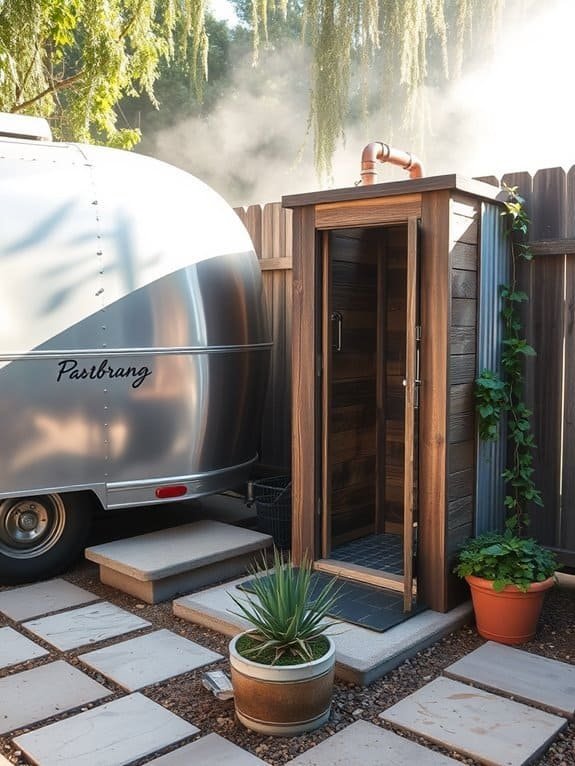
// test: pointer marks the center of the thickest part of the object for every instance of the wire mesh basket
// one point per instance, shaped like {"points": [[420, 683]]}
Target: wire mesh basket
{"points": [[273, 506]]}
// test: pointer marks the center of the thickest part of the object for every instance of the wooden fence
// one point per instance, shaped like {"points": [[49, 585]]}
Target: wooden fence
{"points": [[550, 327], [549, 319], [271, 232]]}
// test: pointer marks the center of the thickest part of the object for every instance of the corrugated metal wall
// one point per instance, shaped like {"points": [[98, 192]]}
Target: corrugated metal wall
{"points": [[491, 456]]}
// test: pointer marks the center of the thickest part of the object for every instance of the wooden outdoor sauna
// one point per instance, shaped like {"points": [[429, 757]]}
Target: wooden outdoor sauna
{"points": [[395, 311]]}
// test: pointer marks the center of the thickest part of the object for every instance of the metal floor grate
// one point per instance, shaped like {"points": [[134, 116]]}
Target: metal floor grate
{"points": [[381, 552]]}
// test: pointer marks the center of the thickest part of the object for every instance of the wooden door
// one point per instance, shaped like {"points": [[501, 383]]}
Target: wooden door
{"points": [[411, 384], [368, 417]]}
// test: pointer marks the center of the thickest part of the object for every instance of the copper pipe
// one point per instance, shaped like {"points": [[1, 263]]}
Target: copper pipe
{"points": [[377, 151]]}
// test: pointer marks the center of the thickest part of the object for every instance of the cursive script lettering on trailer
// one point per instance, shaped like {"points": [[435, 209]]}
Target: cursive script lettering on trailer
{"points": [[70, 369]]}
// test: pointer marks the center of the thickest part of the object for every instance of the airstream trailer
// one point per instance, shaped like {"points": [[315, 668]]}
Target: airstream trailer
{"points": [[133, 342]]}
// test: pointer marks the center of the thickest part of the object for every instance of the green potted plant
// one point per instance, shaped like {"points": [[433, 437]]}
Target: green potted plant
{"points": [[509, 572], [508, 576], [283, 667]]}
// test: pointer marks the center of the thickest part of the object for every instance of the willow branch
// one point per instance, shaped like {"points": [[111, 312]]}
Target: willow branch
{"points": [[55, 87], [131, 21], [22, 86]]}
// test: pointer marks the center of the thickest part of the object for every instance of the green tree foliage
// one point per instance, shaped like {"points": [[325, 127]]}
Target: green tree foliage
{"points": [[78, 62], [73, 60], [176, 94]]}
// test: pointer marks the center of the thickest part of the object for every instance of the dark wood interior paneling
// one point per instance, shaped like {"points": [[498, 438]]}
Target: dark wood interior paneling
{"points": [[351, 448], [367, 415]]}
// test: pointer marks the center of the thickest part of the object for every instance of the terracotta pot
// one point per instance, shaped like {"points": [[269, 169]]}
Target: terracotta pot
{"points": [[282, 700], [508, 616]]}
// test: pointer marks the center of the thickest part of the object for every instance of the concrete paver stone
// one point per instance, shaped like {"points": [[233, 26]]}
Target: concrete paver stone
{"points": [[113, 734], [522, 675], [211, 750], [86, 625], [148, 659], [491, 729], [16, 648], [33, 695], [41, 598], [364, 744]]}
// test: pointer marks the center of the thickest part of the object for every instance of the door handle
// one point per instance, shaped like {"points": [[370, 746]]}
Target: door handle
{"points": [[337, 330]]}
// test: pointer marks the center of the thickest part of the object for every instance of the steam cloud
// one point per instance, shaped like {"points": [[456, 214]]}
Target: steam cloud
{"points": [[512, 112]]}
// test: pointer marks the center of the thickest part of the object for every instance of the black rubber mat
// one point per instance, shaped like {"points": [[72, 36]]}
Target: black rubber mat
{"points": [[364, 605]]}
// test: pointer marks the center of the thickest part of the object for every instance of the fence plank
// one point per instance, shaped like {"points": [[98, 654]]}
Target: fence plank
{"points": [[276, 436], [549, 200], [241, 212], [491, 180], [567, 522], [254, 225], [547, 380], [570, 212], [548, 222]]}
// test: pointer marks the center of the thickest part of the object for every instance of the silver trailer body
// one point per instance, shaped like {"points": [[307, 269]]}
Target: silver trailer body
{"points": [[133, 342]]}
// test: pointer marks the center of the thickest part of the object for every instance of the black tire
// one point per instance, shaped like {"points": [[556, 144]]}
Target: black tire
{"points": [[41, 536]]}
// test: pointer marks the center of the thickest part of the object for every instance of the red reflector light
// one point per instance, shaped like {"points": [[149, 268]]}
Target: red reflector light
{"points": [[177, 490]]}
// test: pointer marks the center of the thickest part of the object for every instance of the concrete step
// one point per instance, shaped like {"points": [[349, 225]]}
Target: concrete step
{"points": [[362, 655], [160, 565]]}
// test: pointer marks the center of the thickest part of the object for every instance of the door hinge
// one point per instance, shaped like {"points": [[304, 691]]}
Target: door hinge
{"points": [[319, 365], [318, 507], [417, 332]]}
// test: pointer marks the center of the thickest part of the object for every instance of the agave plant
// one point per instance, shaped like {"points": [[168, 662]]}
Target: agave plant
{"points": [[287, 614]]}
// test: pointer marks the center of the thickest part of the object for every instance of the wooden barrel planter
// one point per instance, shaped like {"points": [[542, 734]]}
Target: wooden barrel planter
{"points": [[282, 700]]}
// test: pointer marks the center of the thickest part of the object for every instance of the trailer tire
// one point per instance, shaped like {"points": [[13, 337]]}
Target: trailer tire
{"points": [[41, 536]]}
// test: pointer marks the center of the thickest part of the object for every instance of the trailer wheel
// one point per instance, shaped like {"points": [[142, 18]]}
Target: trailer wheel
{"points": [[40, 536]]}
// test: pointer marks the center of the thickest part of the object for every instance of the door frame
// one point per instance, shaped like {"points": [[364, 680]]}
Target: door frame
{"points": [[405, 583]]}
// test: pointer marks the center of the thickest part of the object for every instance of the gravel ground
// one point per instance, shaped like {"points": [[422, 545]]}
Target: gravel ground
{"points": [[185, 695]]}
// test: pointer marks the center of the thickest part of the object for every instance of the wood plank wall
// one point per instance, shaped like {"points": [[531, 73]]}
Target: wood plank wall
{"points": [[463, 246], [352, 444], [549, 321]]}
